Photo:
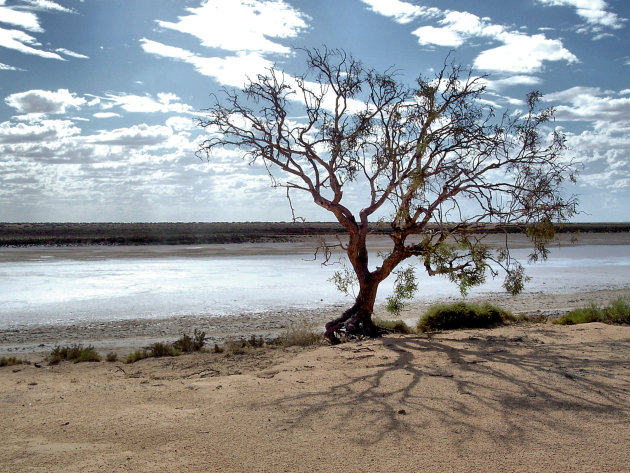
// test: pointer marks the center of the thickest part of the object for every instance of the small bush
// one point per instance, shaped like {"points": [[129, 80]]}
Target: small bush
{"points": [[235, 346], [112, 357], [12, 361], [188, 344], [462, 315], [87, 354], [76, 353], [618, 312], [136, 356], [393, 326], [159, 349], [299, 336]]}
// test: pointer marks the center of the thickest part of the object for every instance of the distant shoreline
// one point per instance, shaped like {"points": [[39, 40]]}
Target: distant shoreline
{"points": [[138, 234]]}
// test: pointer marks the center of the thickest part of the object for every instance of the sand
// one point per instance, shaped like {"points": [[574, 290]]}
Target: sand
{"points": [[525, 398]]}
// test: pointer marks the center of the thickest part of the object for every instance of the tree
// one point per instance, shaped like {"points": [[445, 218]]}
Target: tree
{"points": [[434, 158]]}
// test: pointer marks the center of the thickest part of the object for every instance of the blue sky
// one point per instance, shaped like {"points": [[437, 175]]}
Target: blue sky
{"points": [[98, 98]]}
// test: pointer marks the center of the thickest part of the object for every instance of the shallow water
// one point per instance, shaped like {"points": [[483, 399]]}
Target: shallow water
{"points": [[48, 286]]}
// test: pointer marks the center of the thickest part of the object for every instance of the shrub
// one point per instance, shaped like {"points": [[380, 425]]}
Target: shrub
{"points": [[12, 361], [163, 349], [618, 312], [298, 336], [112, 357], [462, 315], [393, 326], [136, 355], [188, 344], [76, 353]]}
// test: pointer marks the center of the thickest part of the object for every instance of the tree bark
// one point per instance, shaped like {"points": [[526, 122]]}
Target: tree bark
{"points": [[357, 320]]}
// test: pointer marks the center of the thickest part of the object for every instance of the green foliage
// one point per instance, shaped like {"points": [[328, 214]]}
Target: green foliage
{"points": [[394, 326], [405, 287], [188, 344], [136, 356], [345, 280], [76, 353], [618, 312], [462, 315], [12, 361], [159, 349], [464, 263]]}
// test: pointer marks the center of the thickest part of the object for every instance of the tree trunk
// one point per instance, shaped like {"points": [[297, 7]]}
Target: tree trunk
{"points": [[357, 320]]}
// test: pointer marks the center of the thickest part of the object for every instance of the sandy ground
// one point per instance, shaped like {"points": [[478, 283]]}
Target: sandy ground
{"points": [[526, 398]]}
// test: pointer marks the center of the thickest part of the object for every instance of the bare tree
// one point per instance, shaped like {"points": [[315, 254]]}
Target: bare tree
{"points": [[435, 157]]}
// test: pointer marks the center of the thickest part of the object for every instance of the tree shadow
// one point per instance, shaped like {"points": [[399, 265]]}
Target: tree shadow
{"points": [[412, 383]]}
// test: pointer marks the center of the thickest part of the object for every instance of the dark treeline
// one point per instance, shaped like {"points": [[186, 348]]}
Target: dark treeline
{"points": [[62, 234]]}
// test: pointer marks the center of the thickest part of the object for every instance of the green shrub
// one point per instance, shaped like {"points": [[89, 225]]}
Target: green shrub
{"points": [[12, 361], [159, 349], [76, 353], [462, 315], [188, 344], [87, 354], [393, 326], [136, 356], [618, 312]]}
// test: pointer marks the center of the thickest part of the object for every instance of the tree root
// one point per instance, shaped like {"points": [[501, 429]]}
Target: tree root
{"points": [[352, 323]]}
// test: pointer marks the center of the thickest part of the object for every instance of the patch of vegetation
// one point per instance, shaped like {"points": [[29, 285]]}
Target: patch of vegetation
{"points": [[463, 315], [159, 349], [136, 356], [298, 336], [111, 357], [393, 326], [617, 312], [75, 353], [188, 344], [12, 361]]}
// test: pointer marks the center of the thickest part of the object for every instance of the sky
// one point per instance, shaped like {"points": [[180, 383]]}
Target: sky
{"points": [[99, 98]]}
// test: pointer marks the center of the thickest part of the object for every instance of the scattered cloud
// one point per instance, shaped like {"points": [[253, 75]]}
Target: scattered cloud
{"points": [[67, 52], [44, 101], [164, 103], [523, 54], [134, 136], [24, 43], [230, 70], [43, 131], [242, 25], [24, 16], [6, 67], [594, 12], [401, 12], [106, 115]]}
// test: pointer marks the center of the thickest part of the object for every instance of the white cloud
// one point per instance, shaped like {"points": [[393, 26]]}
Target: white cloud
{"points": [[23, 19], [44, 101], [6, 67], [106, 115], [519, 53], [67, 52], [24, 43], [595, 12], [401, 12], [523, 54], [134, 136], [230, 70], [165, 103], [606, 109], [47, 5], [242, 25], [511, 81], [36, 132]]}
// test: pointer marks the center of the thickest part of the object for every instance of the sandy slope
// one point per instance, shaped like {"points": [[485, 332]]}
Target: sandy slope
{"points": [[524, 398]]}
